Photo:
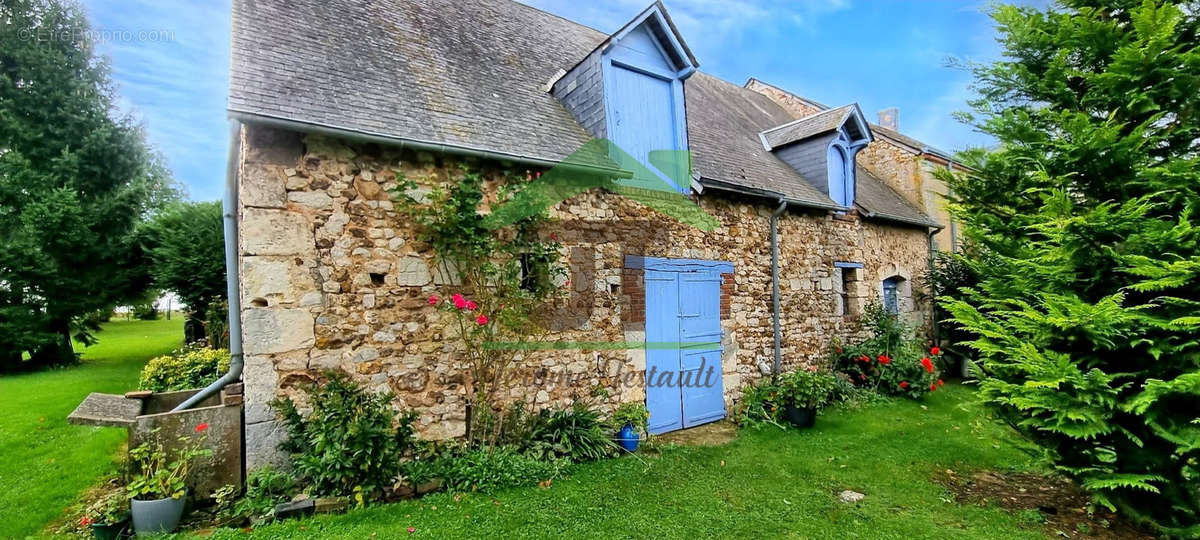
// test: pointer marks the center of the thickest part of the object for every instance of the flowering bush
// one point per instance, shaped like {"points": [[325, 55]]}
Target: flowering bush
{"points": [[890, 362]]}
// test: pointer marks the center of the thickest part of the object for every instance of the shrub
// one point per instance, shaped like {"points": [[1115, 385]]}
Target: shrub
{"points": [[577, 433], [483, 469], [807, 388], [351, 442], [265, 488], [184, 369], [762, 403]]}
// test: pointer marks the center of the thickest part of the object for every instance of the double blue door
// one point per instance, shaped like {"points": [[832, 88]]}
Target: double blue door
{"points": [[683, 348]]}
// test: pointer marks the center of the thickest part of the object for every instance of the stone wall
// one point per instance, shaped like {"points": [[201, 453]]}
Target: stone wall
{"points": [[332, 278]]}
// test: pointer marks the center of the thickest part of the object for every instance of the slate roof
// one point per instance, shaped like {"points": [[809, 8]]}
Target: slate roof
{"points": [[724, 120], [798, 130], [470, 74]]}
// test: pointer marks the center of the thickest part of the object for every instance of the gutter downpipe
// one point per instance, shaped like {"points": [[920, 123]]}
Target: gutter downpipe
{"points": [[777, 365], [232, 289], [933, 318]]}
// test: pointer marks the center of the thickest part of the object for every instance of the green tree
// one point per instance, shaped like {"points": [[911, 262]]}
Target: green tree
{"points": [[1086, 317], [185, 248], [75, 177]]}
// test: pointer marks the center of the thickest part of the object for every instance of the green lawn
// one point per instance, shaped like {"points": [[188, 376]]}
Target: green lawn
{"points": [[46, 462], [766, 483]]}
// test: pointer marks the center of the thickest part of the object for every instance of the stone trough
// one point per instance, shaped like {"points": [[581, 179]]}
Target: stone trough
{"points": [[142, 413]]}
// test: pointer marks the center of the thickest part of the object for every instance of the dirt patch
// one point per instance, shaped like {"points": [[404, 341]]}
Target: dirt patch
{"points": [[1052, 500], [713, 434]]}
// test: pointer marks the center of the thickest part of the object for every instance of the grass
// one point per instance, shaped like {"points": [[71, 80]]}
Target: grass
{"points": [[47, 462], [766, 483]]}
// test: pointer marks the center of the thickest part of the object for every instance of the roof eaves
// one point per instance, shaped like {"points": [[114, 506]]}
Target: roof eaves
{"points": [[407, 142], [901, 219], [721, 185]]}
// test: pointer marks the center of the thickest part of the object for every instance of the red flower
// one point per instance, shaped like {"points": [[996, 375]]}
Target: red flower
{"points": [[472, 306], [433, 300], [903, 384], [481, 319], [862, 376], [412, 529], [459, 301], [201, 426], [85, 521], [941, 382], [927, 364], [864, 358], [885, 359], [932, 387], [935, 350]]}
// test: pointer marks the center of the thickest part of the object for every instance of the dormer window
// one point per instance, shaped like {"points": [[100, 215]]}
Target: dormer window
{"points": [[822, 148], [630, 91]]}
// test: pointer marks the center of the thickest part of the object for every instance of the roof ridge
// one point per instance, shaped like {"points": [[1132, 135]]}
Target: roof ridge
{"points": [[557, 16]]}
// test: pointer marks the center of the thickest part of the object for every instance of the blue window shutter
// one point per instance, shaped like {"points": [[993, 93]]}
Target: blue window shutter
{"points": [[837, 175]]}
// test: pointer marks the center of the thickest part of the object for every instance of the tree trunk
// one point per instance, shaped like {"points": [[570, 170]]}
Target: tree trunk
{"points": [[59, 352]]}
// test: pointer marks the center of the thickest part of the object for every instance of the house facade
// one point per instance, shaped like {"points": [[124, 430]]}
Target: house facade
{"points": [[332, 276]]}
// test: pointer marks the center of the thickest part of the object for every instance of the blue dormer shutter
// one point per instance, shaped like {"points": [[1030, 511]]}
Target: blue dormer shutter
{"points": [[643, 104], [643, 115], [837, 177]]}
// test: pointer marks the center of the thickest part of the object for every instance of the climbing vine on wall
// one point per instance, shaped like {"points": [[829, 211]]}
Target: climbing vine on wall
{"points": [[502, 275]]}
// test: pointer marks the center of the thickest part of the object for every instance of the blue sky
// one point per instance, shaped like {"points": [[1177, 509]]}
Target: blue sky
{"points": [[879, 53]]}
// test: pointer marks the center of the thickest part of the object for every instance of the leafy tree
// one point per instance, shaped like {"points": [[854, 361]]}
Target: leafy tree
{"points": [[74, 179], [1086, 316], [185, 248]]}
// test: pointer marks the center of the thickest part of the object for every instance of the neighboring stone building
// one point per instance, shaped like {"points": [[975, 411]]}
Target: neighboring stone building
{"points": [[332, 278]]}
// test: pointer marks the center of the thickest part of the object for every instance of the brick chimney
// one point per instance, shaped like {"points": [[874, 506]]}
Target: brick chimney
{"points": [[890, 118]]}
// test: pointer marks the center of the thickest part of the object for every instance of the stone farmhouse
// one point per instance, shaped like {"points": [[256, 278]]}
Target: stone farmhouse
{"points": [[331, 277]]}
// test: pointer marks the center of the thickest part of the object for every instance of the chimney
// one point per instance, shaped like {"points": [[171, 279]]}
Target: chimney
{"points": [[890, 118]]}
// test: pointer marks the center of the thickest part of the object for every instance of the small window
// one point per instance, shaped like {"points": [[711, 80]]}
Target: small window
{"points": [[846, 282], [892, 288], [535, 272]]}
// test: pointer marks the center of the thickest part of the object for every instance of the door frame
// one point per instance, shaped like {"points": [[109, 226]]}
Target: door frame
{"points": [[663, 264]]}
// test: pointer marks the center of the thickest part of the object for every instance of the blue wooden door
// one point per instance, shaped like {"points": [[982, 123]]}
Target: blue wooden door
{"points": [[683, 353], [700, 356]]}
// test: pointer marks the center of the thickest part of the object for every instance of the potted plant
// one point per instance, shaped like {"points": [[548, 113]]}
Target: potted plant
{"points": [[804, 391], [630, 419], [157, 484], [107, 517]]}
